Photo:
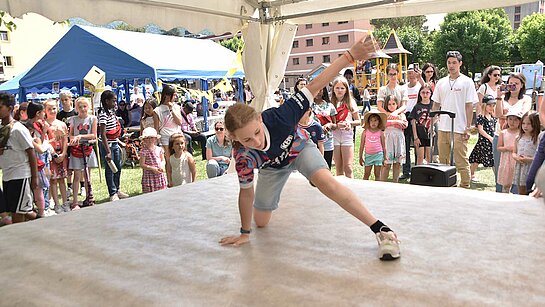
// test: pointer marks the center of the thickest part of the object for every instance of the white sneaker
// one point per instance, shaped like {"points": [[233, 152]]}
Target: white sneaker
{"points": [[388, 245], [122, 195], [49, 212], [114, 197], [81, 191], [69, 192]]}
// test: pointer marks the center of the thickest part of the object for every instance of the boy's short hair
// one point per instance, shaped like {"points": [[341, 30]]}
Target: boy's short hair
{"points": [[7, 99], [454, 54]]}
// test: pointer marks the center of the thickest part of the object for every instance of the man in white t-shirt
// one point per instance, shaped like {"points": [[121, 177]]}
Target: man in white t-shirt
{"points": [[412, 89], [455, 93]]}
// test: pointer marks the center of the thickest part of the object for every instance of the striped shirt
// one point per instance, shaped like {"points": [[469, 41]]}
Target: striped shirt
{"points": [[108, 118]]}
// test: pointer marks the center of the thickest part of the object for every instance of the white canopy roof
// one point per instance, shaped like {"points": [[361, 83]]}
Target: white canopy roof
{"points": [[221, 16]]}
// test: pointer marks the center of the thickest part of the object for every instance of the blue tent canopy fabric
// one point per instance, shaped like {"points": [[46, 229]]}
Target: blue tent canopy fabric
{"points": [[12, 86], [127, 55]]}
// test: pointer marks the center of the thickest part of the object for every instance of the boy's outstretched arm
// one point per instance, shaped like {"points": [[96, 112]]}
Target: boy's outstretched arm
{"points": [[361, 50]]}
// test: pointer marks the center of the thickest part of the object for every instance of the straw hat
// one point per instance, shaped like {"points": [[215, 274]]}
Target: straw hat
{"points": [[149, 132], [382, 116]]}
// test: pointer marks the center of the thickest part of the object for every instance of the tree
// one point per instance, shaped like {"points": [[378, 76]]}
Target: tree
{"points": [[398, 22], [483, 37], [412, 38], [10, 25], [127, 27], [530, 38], [234, 44]]}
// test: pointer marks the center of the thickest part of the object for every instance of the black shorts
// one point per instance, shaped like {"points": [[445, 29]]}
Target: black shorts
{"points": [[423, 135], [17, 196]]}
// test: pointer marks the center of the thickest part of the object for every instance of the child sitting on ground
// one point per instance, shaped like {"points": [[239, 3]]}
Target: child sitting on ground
{"points": [[152, 162], [182, 167], [373, 141]]}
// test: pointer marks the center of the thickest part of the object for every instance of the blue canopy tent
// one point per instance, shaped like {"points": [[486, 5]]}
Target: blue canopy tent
{"points": [[126, 56], [12, 86]]}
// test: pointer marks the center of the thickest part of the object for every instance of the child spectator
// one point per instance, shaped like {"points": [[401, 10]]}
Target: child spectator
{"points": [[486, 124], [38, 130], [152, 162], [169, 118], [525, 149], [506, 146], [148, 118], [182, 168], [373, 141], [218, 152], [64, 115], [314, 129], [324, 112], [20, 114], [110, 150], [58, 138], [394, 138], [343, 136], [271, 142], [421, 123], [18, 164], [83, 129], [190, 130]]}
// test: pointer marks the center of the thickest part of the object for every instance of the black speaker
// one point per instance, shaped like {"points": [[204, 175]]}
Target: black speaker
{"points": [[434, 175]]}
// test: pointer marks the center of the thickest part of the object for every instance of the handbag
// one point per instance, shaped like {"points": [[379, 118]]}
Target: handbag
{"points": [[77, 152]]}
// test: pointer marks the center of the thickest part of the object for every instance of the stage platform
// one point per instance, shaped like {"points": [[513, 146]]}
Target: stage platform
{"points": [[459, 248]]}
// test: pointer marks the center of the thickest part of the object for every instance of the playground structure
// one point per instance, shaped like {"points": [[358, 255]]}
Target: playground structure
{"points": [[375, 75]]}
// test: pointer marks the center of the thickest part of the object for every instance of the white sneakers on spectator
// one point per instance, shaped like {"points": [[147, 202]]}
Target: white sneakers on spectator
{"points": [[122, 195], [388, 245], [114, 197]]}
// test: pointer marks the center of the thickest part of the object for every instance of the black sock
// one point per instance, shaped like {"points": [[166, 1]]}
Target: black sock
{"points": [[69, 185], [81, 184], [378, 226]]}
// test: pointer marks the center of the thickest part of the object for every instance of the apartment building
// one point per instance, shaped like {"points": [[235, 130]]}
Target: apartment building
{"points": [[25, 45], [319, 43], [517, 13]]}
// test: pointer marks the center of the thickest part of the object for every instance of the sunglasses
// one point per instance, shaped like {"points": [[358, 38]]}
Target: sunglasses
{"points": [[392, 74], [453, 53], [496, 75], [429, 71], [220, 129]]}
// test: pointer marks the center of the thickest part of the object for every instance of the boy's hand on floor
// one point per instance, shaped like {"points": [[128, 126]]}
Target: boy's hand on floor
{"points": [[235, 240]]}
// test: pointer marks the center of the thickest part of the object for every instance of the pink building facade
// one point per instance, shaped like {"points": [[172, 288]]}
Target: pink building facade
{"points": [[321, 43]]}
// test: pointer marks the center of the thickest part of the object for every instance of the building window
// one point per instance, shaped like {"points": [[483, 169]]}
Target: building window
{"points": [[8, 61], [343, 38], [517, 9], [295, 44], [4, 36], [310, 42], [342, 22], [295, 61], [516, 25], [310, 60], [308, 26], [325, 24], [326, 59], [325, 40], [517, 17]]}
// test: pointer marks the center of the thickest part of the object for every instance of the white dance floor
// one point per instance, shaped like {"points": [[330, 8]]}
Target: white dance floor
{"points": [[459, 247]]}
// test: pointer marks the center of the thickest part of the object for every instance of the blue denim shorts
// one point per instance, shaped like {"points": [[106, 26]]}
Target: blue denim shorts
{"points": [[271, 181]]}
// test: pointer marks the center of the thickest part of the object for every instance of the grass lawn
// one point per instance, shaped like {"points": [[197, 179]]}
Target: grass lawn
{"points": [[131, 177]]}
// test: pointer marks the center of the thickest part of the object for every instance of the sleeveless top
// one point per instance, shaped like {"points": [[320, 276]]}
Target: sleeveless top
{"points": [[373, 144]]}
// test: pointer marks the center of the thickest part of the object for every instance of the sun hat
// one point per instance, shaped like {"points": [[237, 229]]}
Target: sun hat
{"points": [[515, 112], [149, 132], [489, 99], [382, 116]]}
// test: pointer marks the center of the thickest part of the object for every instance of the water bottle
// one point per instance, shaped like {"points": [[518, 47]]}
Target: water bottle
{"points": [[112, 166]]}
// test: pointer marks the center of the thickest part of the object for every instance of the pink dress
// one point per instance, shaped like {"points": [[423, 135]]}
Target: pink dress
{"points": [[506, 169], [151, 181]]}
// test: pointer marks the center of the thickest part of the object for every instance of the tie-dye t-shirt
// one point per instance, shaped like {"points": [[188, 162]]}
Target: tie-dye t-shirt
{"points": [[283, 135]]}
